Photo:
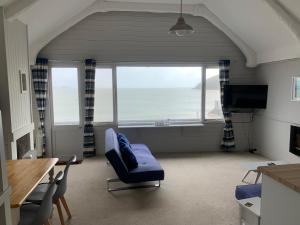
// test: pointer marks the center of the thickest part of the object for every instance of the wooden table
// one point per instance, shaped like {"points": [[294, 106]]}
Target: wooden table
{"points": [[24, 175], [288, 175], [253, 167]]}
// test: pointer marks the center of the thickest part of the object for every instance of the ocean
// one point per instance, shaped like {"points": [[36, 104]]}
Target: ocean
{"points": [[139, 104]]}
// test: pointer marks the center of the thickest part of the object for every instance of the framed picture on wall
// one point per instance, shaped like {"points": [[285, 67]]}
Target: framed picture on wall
{"points": [[296, 89], [23, 82]]}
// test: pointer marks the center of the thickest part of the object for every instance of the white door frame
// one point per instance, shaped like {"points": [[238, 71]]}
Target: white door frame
{"points": [[50, 119]]}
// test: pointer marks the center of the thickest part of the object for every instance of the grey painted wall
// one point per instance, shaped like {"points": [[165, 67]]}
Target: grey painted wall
{"points": [[272, 126], [143, 37]]}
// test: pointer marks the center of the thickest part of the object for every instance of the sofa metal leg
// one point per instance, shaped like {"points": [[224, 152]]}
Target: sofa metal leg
{"points": [[137, 186]]}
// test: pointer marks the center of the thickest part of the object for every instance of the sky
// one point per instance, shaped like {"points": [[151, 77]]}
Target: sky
{"points": [[136, 77], [158, 77]]}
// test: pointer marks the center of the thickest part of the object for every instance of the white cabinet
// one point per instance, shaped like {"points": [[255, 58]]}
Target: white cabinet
{"points": [[280, 204], [250, 211]]}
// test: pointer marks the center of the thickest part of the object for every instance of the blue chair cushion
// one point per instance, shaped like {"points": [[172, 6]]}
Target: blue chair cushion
{"points": [[126, 152], [247, 191]]}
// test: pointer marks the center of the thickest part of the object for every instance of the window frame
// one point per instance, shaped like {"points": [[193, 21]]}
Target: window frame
{"points": [[179, 123], [221, 120], [109, 66], [81, 71], [78, 66], [294, 85]]}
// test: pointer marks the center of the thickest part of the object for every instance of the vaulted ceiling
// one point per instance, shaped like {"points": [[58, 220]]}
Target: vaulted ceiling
{"points": [[264, 30]]}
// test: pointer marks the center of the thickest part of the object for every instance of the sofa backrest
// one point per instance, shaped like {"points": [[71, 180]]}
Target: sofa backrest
{"points": [[113, 153]]}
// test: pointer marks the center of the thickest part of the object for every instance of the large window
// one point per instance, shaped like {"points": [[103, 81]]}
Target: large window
{"points": [[65, 95], [103, 96], [159, 94], [213, 109], [141, 95]]}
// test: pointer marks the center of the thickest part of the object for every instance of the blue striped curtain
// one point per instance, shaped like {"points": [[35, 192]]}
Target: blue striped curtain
{"points": [[40, 84], [89, 137], [228, 134]]}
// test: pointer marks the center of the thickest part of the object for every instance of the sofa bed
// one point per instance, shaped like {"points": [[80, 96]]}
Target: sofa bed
{"points": [[134, 164]]}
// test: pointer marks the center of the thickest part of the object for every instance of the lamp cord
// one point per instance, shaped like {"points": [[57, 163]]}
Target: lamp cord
{"points": [[181, 8]]}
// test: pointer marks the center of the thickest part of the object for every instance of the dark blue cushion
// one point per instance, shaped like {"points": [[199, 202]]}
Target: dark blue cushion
{"points": [[247, 191], [126, 152], [122, 138]]}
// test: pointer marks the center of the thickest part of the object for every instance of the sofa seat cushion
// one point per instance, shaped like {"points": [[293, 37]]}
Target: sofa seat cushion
{"points": [[247, 191], [149, 168], [140, 149]]}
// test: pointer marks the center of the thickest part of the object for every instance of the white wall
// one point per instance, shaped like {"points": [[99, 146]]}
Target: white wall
{"points": [[272, 126], [143, 37]]}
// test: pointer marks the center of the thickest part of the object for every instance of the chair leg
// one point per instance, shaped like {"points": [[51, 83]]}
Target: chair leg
{"points": [[48, 222], [243, 180], [64, 202], [60, 213], [257, 177], [51, 215]]}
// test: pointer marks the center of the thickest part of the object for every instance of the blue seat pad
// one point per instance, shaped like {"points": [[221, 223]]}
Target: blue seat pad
{"points": [[148, 168], [247, 191]]}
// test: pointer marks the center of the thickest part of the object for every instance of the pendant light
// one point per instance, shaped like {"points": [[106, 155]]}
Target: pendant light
{"points": [[181, 28]]}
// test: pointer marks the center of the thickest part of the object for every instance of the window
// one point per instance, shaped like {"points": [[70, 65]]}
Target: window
{"points": [[159, 94], [65, 95], [296, 89], [103, 111], [213, 108]]}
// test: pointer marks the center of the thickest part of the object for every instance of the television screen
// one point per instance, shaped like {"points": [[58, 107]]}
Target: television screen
{"points": [[245, 96]]}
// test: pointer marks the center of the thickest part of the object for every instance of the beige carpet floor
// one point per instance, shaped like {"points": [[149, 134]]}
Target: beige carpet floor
{"points": [[198, 190]]}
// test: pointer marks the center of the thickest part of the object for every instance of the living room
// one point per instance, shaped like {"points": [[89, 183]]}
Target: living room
{"points": [[66, 79]]}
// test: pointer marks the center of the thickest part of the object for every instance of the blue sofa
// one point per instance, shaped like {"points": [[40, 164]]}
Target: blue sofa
{"points": [[148, 168]]}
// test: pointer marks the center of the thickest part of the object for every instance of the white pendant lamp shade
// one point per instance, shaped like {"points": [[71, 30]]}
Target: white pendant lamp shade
{"points": [[181, 28]]}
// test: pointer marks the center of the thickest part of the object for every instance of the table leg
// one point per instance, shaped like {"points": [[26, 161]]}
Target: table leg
{"points": [[51, 175]]}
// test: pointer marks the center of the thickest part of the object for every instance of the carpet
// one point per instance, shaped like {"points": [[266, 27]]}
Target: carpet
{"points": [[198, 190]]}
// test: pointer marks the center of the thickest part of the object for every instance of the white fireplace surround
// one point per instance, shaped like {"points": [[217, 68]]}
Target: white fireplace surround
{"points": [[19, 134]]}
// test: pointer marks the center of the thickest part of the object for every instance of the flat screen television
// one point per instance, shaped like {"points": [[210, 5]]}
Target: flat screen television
{"points": [[245, 96]]}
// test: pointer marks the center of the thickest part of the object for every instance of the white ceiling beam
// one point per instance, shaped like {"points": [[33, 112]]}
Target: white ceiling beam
{"points": [[13, 10], [287, 17]]}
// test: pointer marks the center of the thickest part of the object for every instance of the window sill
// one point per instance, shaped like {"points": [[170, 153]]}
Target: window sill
{"points": [[167, 126], [213, 121]]}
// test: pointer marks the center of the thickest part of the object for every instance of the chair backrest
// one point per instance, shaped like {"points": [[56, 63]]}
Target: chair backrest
{"points": [[46, 206], [62, 184], [113, 154]]}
